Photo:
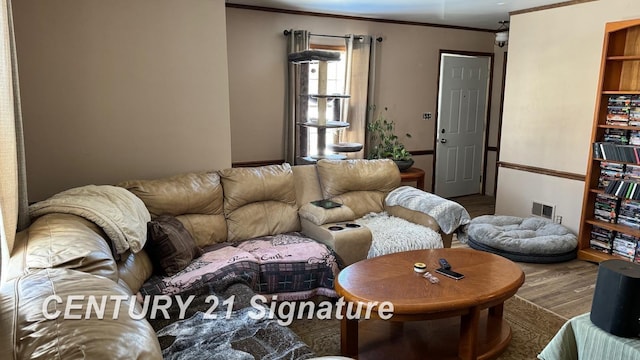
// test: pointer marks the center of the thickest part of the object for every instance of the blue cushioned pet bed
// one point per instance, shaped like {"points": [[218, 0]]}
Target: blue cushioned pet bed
{"points": [[533, 239]]}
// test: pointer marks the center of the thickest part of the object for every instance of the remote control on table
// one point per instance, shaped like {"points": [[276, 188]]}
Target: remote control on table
{"points": [[444, 264]]}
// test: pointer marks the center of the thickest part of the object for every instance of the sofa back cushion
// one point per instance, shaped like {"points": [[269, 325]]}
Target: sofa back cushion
{"points": [[195, 199], [307, 184], [259, 201], [360, 184]]}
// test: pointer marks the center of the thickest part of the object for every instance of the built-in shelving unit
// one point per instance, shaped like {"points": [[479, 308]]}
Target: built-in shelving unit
{"points": [[609, 208]]}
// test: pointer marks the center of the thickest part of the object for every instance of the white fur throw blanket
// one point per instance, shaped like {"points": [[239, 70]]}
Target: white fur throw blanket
{"points": [[449, 215], [121, 214], [392, 234]]}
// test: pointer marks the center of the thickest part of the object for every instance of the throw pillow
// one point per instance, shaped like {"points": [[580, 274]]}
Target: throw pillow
{"points": [[169, 244]]}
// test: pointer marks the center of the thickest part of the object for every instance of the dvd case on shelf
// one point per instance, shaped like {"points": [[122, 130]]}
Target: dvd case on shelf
{"points": [[601, 239]]}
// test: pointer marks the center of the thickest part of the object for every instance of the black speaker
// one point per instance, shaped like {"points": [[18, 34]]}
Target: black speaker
{"points": [[616, 300]]}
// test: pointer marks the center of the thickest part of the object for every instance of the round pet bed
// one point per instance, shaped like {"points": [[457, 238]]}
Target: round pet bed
{"points": [[533, 239]]}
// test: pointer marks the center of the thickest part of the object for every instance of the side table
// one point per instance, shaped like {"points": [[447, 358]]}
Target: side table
{"points": [[579, 338], [413, 174]]}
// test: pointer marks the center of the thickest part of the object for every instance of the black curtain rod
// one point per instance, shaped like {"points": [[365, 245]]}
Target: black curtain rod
{"points": [[287, 33]]}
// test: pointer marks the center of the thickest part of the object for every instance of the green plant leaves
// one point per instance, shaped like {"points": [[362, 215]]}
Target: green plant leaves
{"points": [[383, 141]]}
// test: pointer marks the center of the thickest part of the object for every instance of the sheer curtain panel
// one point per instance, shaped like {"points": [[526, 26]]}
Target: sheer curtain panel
{"points": [[360, 84], [13, 191]]}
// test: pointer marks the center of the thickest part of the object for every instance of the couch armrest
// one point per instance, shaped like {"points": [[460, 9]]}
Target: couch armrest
{"points": [[61, 240], [38, 315], [320, 216], [449, 215], [350, 244]]}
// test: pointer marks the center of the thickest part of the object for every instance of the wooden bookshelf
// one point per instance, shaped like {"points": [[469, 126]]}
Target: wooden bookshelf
{"points": [[619, 76]]}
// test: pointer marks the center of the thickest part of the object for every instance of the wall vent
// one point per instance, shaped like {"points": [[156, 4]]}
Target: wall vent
{"points": [[543, 210]]}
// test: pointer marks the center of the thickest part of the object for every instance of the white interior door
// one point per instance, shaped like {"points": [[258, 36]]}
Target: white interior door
{"points": [[464, 83]]}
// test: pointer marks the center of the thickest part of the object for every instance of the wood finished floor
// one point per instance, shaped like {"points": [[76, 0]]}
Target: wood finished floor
{"points": [[565, 288]]}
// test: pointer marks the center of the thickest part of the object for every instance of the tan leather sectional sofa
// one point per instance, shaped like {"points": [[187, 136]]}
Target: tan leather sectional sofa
{"points": [[62, 254]]}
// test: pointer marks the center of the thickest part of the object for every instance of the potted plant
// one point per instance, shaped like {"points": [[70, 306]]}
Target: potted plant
{"points": [[385, 144]]}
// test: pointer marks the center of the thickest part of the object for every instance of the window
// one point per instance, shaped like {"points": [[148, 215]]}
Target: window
{"points": [[336, 72]]}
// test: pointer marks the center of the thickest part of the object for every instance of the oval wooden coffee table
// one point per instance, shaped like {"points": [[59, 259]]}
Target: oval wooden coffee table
{"points": [[457, 326]]}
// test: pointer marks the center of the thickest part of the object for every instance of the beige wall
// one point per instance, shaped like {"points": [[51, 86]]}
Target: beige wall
{"points": [[114, 90], [407, 76], [552, 75]]}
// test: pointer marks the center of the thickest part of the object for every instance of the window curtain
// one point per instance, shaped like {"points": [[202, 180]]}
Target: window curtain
{"points": [[13, 190], [360, 84]]}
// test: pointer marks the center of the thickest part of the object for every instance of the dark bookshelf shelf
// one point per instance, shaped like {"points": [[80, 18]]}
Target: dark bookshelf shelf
{"points": [[615, 161], [621, 92], [614, 227], [597, 256], [624, 58], [622, 127]]}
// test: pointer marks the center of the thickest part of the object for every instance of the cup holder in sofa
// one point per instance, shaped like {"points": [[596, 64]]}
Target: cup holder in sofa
{"points": [[339, 227]]}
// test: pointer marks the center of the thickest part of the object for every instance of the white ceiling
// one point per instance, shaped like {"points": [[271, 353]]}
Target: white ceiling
{"points": [[481, 14]]}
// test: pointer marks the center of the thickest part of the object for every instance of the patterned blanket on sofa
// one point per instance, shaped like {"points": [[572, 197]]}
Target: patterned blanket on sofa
{"points": [[291, 266]]}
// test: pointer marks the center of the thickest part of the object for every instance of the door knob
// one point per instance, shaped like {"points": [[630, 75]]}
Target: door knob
{"points": [[443, 141]]}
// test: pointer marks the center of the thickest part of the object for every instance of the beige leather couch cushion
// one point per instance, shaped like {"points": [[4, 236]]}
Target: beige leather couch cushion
{"points": [[64, 241], [319, 215], [134, 270], [307, 184], [33, 336], [259, 201], [193, 198], [360, 184], [72, 242]]}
